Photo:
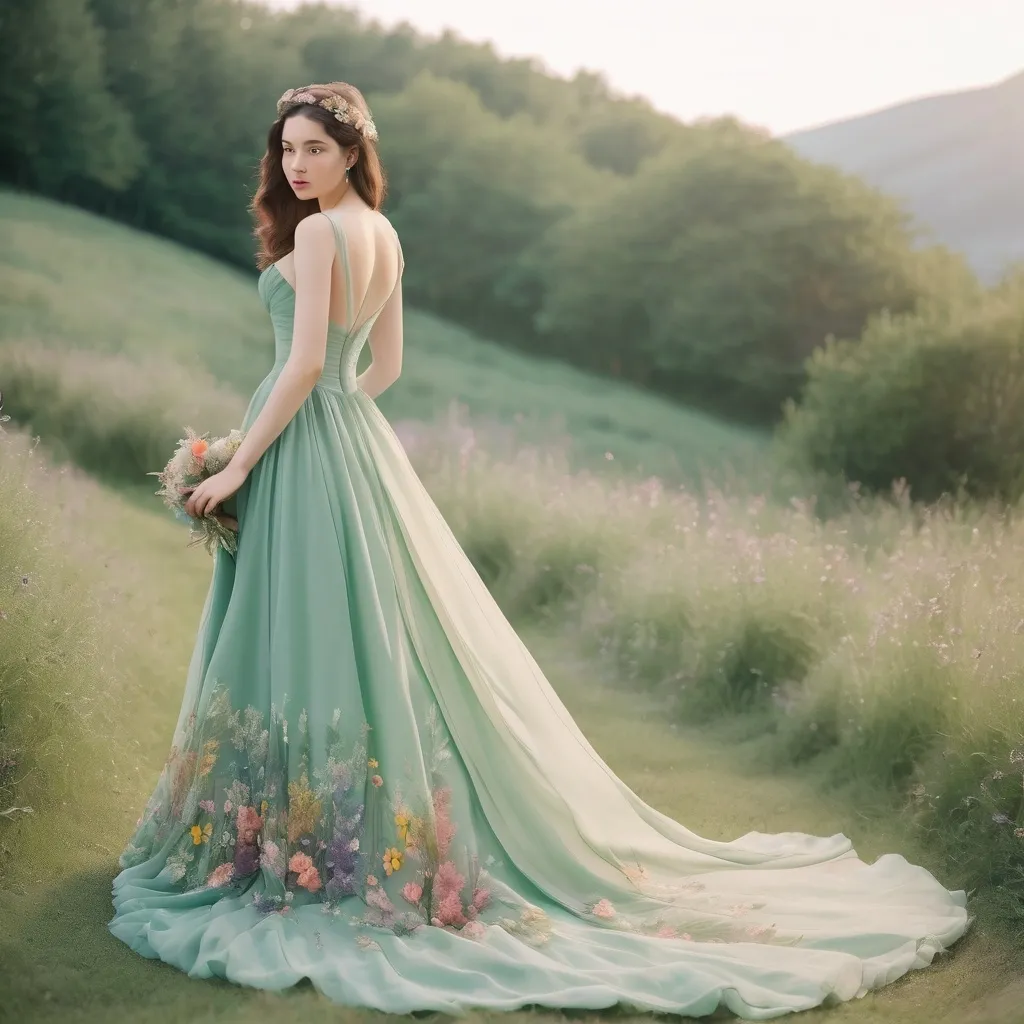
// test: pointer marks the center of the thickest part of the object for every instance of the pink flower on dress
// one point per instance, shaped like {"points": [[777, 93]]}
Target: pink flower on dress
{"points": [[207, 805], [270, 858], [448, 881], [444, 827], [227, 806], [481, 897], [666, 931], [377, 781], [412, 892], [371, 879], [300, 862], [604, 908], [310, 879], [474, 930], [249, 824], [221, 875], [449, 910]]}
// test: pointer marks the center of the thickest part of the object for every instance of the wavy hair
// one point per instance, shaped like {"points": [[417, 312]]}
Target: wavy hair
{"points": [[276, 208]]}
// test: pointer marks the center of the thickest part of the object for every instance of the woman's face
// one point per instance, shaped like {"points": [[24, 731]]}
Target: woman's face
{"points": [[312, 161]]}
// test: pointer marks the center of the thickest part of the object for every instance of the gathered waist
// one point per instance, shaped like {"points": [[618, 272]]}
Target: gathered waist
{"points": [[328, 381]]}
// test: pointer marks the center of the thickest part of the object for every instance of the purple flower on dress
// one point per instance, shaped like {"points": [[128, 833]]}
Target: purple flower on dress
{"points": [[247, 858]]}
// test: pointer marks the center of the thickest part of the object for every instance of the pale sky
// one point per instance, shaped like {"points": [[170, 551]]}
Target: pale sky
{"points": [[779, 64]]}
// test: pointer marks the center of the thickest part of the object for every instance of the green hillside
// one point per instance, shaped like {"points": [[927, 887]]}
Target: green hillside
{"points": [[954, 160], [92, 310]]}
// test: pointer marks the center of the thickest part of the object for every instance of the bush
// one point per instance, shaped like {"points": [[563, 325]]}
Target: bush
{"points": [[935, 398]]}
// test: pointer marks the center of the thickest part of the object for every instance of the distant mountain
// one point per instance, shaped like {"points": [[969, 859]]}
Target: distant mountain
{"points": [[956, 161]]}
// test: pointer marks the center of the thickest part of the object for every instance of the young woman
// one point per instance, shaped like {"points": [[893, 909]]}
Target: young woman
{"points": [[371, 783]]}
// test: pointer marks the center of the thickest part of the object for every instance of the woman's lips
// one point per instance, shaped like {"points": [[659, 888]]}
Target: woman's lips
{"points": [[300, 184]]}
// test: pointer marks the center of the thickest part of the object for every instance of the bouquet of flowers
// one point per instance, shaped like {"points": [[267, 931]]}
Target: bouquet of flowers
{"points": [[195, 459]]}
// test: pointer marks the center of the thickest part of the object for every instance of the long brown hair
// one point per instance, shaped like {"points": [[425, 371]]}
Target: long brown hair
{"points": [[275, 206]]}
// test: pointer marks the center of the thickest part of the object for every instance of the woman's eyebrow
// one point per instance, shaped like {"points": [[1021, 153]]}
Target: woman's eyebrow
{"points": [[319, 142]]}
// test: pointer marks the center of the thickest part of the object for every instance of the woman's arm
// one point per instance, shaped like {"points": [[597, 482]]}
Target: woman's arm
{"points": [[386, 341], [314, 256]]}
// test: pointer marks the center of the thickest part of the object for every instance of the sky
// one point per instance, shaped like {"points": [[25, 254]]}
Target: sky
{"points": [[779, 64]]}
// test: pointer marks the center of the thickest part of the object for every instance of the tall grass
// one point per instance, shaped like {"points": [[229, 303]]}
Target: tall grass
{"points": [[115, 417], [54, 662], [882, 649]]}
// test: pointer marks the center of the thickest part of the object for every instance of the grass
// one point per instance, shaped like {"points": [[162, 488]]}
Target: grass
{"points": [[58, 963], [196, 332]]}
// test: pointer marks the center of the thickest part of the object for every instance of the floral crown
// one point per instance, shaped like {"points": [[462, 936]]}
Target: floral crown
{"points": [[341, 108]]}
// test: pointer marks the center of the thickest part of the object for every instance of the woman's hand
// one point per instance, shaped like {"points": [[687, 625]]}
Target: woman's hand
{"points": [[205, 497]]}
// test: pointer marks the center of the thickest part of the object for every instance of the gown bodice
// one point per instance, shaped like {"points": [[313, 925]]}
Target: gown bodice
{"points": [[343, 343]]}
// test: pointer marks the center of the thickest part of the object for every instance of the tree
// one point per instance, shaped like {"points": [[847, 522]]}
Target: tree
{"points": [[60, 120], [719, 267]]}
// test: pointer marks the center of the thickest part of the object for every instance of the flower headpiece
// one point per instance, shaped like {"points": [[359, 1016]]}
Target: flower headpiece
{"points": [[341, 108]]}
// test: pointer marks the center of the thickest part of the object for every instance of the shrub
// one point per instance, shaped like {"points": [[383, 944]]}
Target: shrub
{"points": [[935, 398]]}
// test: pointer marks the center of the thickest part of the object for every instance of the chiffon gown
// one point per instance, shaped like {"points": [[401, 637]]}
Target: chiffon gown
{"points": [[373, 786]]}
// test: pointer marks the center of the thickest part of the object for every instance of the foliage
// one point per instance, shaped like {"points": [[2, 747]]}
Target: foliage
{"points": [[723, 266], [935, 398], [701, 261]]}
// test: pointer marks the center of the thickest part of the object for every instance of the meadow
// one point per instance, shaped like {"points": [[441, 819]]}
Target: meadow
{"points": [[741, 662], [92, 308]]}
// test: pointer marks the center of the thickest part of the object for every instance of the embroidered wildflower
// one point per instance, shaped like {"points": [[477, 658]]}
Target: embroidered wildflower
{"points": [[392, 860], [402, 824], [221, 875], [201, 834], [604, 908]]}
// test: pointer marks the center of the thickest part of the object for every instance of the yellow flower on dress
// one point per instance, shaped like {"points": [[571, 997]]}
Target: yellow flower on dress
{"points": [[392, 860], [373, 763], [201, 835], [263, 808], [209, 758], [303, 808], [402, 824]]}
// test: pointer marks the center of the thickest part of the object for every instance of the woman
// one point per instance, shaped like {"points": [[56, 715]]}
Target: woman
{"points": [[371, 782]]}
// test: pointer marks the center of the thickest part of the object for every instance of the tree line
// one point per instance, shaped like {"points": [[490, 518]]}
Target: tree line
{"points": [[703, 261]]}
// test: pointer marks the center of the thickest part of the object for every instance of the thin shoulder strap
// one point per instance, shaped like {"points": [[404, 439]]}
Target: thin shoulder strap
{"points": [[341, 243], [398, 278]]}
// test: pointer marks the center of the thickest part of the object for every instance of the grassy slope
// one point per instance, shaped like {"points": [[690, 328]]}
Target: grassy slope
{"points": [[59, 963], [71, 280]]}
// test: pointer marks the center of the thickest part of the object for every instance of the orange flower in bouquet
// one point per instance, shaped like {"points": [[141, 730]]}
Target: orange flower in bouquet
{"points": [[196, 458]]}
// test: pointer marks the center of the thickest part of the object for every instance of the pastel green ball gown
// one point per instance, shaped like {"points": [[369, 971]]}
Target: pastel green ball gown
{"points": [[372, 784]]}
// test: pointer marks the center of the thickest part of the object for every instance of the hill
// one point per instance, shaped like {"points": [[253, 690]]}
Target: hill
{"points": [[92, 310], [955, 160]]}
